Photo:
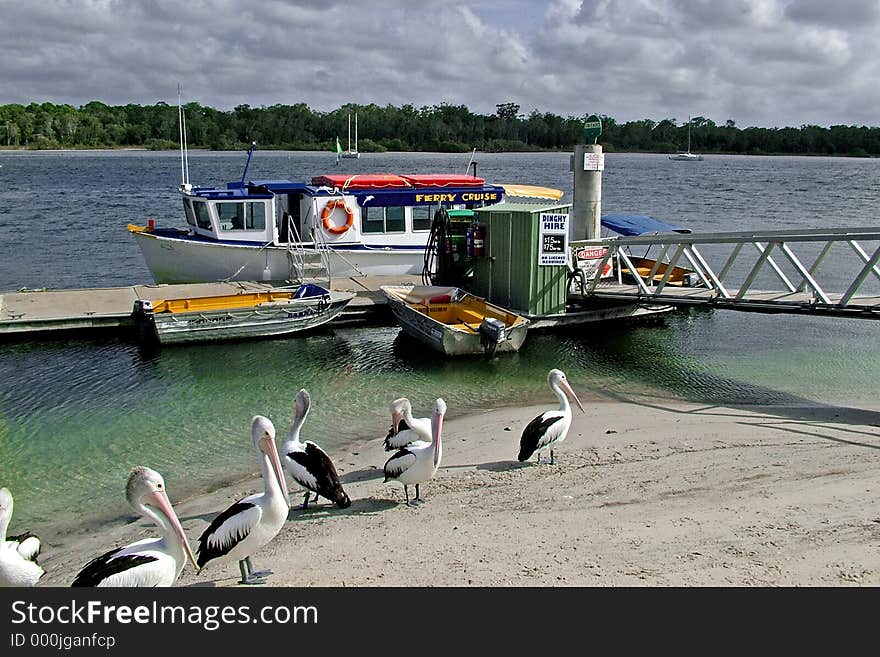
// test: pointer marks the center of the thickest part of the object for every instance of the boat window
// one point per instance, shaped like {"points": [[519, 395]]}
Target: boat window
{"points": [[394, 220], [383, 220], [421, 217], [203, 217], [241, 216], [188, 210], [373, 220]]}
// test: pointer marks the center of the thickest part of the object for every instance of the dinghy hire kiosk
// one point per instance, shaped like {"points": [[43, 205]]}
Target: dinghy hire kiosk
{"points": [[523, 254]]}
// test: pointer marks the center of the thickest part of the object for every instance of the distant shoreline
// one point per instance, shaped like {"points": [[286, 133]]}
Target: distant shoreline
{"points": [[113, 149]]}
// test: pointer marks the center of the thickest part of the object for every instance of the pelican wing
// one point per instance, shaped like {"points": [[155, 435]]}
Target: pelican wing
{"points": [[100, 570], [28, 545], [300, 467], [540, 432], [227, 530], [400, 439], [312, 468], [420, 430], [389, 437], [399, 463]]}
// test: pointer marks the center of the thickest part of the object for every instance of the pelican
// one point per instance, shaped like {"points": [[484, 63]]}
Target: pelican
{"points": [[152, 561], [246, 526], [550, 427], [18, 554], [405, 428], [417, 462], [308, 464]]}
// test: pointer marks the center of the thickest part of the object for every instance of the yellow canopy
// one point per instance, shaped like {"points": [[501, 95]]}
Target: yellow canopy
{"points": [[532, 191]]}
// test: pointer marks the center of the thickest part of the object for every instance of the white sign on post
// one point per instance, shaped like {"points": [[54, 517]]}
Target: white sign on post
{"points": [[553, 239], [588, 259], [594, 161]]}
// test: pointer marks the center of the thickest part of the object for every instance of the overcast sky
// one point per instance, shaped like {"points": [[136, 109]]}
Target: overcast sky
{"points": [[768, 63]]}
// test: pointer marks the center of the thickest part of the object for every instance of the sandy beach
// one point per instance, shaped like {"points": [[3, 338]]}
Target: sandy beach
{"points": [[651, 493]]}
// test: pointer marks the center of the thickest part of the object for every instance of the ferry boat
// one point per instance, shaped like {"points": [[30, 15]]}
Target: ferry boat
{"points": [[335, 225]]}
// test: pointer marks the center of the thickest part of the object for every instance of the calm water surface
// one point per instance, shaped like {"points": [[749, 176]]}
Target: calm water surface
{"points": [[76, 415]]}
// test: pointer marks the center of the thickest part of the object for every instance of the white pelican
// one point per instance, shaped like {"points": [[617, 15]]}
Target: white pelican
{"points": [[550, 427], [308, 464], [405, 428], [417, 462], [152, 561], [246, 526], [18, 554]]}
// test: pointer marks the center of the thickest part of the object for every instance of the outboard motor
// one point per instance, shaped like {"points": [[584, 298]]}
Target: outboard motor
{"points": [[492, 334], [144, 319]]}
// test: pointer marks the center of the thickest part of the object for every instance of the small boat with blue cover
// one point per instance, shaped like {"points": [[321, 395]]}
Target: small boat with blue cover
{"points": [[237, 316]]}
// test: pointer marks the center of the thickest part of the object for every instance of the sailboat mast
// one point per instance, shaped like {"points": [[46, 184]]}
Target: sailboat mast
{"points": [[355, 131], [689, 134], [349, 131]]}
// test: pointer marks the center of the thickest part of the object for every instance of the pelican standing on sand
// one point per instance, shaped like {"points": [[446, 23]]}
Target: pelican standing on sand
{"points": [[249, 524], [152, 561], [308, 464], [550, 427], [18, 554], [405, 428], [418, 462]]}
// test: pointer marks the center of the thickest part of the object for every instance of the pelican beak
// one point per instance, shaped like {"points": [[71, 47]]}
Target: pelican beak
{"points": [[395, 419], [268, 446], [160, 497], [571, 395], [436, 428]]}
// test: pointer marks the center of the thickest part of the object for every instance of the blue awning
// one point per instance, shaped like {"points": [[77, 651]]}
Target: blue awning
{"points": [[638, 224]]}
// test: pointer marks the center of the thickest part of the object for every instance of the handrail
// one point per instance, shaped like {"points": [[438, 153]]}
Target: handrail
{"points": [[729, 280]]}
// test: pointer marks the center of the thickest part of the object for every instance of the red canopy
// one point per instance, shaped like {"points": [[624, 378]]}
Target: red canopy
{"points": [[391, 180], [443, 180], [361, 180]]}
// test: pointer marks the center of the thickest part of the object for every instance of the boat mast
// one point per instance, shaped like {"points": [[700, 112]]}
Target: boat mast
{"points": [[689, 135], [355, 131], [248, 163], [184, 155], [349, 132]]}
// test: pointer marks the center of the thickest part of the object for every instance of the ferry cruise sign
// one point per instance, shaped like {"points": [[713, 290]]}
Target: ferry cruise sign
{"points": [[553, 239]]}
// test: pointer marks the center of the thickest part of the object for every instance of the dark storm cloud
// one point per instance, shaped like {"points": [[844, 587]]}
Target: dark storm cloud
{"points": [[759, 62]]}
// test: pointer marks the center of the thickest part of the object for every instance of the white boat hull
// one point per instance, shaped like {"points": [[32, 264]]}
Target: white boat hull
{"points": [[172, 260]]}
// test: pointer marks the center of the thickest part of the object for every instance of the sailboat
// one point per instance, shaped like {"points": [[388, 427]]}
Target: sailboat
{"points": [[352, 152], [687, 156]]}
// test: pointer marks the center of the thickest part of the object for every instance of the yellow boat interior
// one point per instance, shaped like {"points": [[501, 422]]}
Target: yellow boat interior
{"points": [[220, 302], [466, 314]]}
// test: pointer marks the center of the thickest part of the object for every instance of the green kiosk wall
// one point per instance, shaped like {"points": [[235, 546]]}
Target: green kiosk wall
{"points": [[524, 266]]}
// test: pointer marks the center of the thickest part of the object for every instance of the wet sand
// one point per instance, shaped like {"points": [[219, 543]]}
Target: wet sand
{"points": [[648, 493]]}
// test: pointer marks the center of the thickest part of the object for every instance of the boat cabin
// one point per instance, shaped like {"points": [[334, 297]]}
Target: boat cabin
{"points": [[371, 209]]}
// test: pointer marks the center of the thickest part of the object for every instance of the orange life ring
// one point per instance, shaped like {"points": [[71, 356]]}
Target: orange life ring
{"points": [[328, 210]]}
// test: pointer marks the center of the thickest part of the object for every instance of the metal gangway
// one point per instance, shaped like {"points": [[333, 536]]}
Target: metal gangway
{"points": [[808, 271]]}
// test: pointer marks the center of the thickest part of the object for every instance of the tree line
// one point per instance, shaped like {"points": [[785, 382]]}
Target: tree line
{"points": [[439, 128]]}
